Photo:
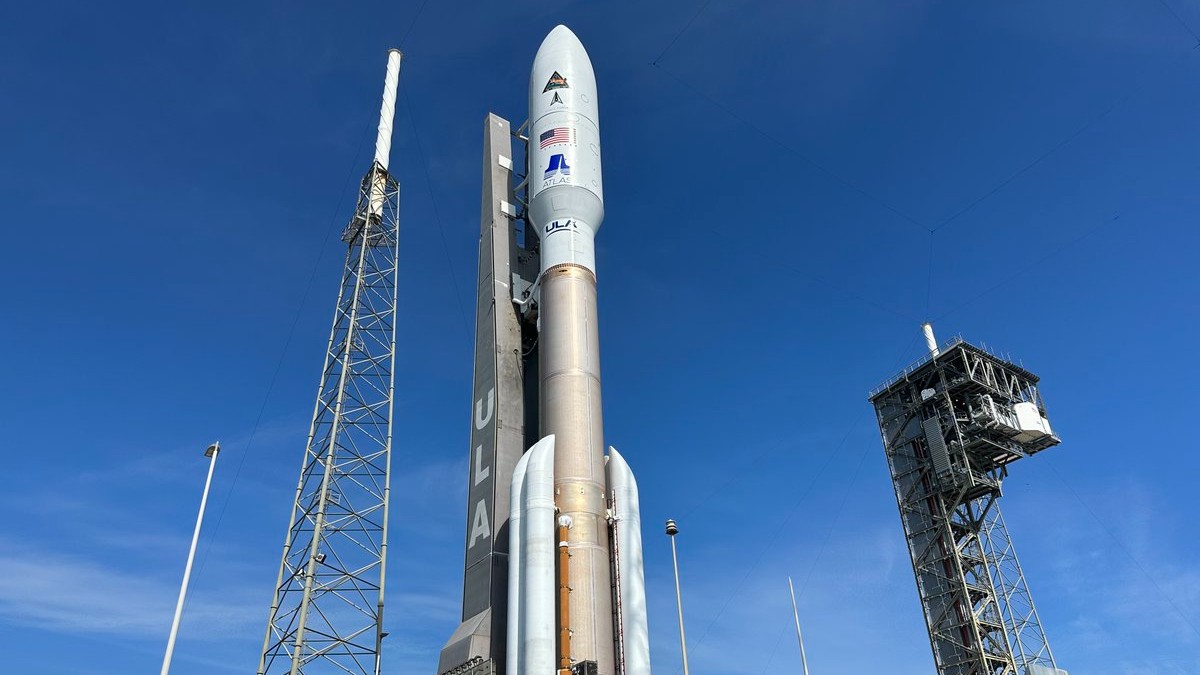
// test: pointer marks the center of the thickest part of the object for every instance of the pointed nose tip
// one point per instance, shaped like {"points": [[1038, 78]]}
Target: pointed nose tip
{"points": [[561, 31], [561, 37]]}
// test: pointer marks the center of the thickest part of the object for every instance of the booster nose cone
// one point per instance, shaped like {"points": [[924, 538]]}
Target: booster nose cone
{"points": [[566, 191]]}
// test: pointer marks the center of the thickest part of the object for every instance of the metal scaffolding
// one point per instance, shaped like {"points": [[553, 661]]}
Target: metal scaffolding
{"points": [[327, 611], [951, 425]]}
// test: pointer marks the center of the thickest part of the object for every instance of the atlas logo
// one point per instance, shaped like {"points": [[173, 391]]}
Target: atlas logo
{"points": [[557, 166], [558, 172]]}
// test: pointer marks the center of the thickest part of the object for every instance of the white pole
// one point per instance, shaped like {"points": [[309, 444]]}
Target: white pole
{"points": [[799, 635], [930, 340], [387, 109], [187, 570], [672, 530]]}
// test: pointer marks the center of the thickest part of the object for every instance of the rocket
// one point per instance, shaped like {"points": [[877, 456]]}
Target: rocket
{"points": [[553, 580]]}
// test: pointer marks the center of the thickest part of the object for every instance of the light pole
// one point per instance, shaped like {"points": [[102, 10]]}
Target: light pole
{"points": [[672, 530], [799, 635], [211, 453]]}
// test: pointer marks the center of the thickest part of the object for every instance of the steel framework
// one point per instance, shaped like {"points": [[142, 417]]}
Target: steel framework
{"points": [[951, 425], [327, 611]]}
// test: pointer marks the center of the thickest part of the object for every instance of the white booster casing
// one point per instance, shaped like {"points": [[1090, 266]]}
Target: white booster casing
{"points": [[627, 560], [566, 191]]}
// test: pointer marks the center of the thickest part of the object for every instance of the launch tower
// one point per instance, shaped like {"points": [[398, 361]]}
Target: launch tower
{"points": [[952, 424], [327, 610]]}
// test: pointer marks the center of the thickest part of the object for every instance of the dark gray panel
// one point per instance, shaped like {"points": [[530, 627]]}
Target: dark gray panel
{"points": [[497, 419]]}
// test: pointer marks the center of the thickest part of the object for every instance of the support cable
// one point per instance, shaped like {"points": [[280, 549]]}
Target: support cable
{"points": [[683, 30], [879, 201], [1022, 270], [929, 279], [778, 640], [792, 511], [1124, 549], [437, 216], [1178, 18], [821, 549], [287, 342], [1117, 103], [413, 23], [837, 516], [1037, 160]]}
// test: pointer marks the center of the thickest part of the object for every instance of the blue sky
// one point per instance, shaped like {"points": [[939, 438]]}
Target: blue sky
{"points": [[171, 176]]}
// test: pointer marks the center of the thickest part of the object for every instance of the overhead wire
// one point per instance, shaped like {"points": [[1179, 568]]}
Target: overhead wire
{"points": [[837, 516], [783, 630], [1117, 103], [683, 30], [843, 181], [1178, 18], [855, 473], [1125, 549], [1037, 160], [1025, 268], [791, 512], [330, 228], [1005, 182], [413, 23], [929, 279], [437, 216]]}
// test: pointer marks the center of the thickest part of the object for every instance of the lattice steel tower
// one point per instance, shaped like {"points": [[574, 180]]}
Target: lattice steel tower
{"points": [[327, 612], [951, 425]]}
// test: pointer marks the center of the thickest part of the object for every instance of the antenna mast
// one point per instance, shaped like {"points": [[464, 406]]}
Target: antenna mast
{"points": [[799, 635], [327, 611]]}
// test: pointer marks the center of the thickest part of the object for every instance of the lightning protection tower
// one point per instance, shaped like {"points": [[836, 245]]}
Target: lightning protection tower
{"points": [[326, 614], [952, 423]]}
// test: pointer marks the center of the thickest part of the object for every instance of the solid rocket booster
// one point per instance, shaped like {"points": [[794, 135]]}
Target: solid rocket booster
{"points": [[566, 207]]}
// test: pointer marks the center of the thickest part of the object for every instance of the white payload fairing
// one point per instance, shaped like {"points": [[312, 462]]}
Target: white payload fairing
{"points": [[553, 580], [566, 195]]}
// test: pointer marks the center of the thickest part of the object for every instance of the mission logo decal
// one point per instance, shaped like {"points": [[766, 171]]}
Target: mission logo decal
{"points": [[556, 81]]}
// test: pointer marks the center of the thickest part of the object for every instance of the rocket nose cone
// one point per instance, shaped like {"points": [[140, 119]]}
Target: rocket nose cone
{"points": [[561, 63], [561, 38]]}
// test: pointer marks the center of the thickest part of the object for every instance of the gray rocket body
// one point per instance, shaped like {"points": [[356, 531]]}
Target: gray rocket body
{"points": [[565, 473]]}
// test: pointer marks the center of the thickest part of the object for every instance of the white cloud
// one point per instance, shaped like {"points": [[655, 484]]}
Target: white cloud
{"points": [[68, 593]]}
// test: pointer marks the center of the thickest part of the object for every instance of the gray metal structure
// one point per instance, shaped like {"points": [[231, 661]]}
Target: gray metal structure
{"points": [[952, 423], [506, 360], [326, 614]]}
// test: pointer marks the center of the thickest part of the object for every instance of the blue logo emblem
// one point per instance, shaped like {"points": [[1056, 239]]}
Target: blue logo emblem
{"points": [[558, 165]]}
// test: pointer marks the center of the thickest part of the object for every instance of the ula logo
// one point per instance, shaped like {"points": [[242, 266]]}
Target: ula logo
{"points": [[557, 165], [556, 225]]}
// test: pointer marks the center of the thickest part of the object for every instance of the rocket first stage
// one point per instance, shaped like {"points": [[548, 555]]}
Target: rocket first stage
{"points": [[553, 577]]}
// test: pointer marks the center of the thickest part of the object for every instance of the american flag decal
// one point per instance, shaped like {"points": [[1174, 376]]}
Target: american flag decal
{"points": [[555, 136]]}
